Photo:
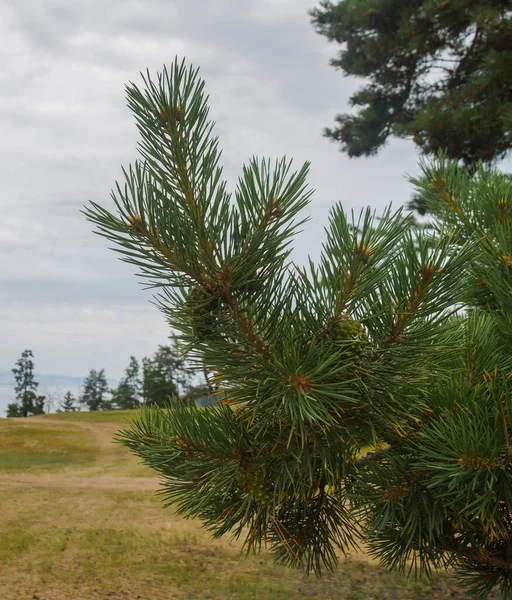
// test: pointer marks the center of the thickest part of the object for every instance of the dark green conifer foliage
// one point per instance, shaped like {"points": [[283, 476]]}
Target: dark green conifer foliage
{"points": [[13, 410], [95, 391], [69, 403], [437, 71], [28, 401], [164, 375], [127, 395], [367, 348]]}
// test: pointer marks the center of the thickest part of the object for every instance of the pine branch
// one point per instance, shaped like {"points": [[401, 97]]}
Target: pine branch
{"points": [[369, 348]]}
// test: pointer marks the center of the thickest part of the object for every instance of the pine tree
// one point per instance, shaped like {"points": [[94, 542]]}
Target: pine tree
{"points": [[68, 404], [95, 390], [28, 402], [462, 453], [396, 340], [157, 389], [13, 410], [438, 72], [128, 392], [164, 375]]}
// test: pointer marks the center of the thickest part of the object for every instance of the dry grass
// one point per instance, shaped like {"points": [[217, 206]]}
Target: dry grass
{"points": [[80, 520]]}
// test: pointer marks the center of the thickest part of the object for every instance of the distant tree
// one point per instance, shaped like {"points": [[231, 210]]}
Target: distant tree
{"points": [[53, 398], [68, 404], [128, 392], [13, 410], [157, 387], [437, 72], [171, 359], [95, 390], [28, 402], [164, 375]]}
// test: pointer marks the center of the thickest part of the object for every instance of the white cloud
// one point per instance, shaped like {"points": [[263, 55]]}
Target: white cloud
{"points": [[283, 10], [72, 339]]}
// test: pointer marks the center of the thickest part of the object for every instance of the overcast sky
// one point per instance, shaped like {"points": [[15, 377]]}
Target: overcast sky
{"points": [[65, 132]]}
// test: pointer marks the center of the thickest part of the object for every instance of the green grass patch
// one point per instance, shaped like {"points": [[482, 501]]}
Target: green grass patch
{"points": [[16, 540], [30, 446]]}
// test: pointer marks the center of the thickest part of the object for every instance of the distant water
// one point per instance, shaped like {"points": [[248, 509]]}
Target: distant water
{"points": [[6, 396]]}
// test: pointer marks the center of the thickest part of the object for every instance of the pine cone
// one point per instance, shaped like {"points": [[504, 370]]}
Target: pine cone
{"points": [[346, 329], [254, 483], [203, 306]]}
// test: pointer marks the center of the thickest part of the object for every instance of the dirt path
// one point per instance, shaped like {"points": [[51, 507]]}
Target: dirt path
{"points": [[104, 482]]}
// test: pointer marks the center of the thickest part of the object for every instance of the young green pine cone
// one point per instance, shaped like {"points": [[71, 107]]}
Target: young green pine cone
{"points": [[255, 484], [346, 329], [202, 305]]}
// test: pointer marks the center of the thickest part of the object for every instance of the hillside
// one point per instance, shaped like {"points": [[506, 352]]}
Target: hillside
{"points": [[80, 520]]}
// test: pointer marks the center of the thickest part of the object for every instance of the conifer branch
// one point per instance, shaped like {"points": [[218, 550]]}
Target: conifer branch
{"points": [[369, 348]]}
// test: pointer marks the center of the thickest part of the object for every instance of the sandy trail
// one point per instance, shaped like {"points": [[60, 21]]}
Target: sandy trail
{"points": [[129, 484]]}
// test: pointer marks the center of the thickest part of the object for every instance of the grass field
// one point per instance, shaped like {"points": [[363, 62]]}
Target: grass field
{"points": [[80, 520]]}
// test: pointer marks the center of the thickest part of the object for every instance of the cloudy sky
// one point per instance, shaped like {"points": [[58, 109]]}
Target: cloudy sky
{"points": [[65, 132]]}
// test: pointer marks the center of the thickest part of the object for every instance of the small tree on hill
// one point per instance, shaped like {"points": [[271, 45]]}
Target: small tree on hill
{"points": [[164, 375], [28, 401], [69, 403], [95, 390], [128, 392], [13, 410], [397, 340], [158, 384], [157, 389]]}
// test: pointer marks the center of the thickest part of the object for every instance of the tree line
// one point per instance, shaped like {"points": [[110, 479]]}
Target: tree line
{"points": [[152, 381]]}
